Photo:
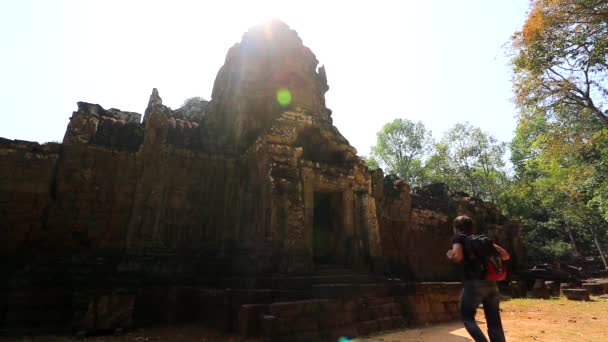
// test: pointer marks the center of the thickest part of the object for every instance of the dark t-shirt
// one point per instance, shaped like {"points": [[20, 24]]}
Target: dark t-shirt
{"points": [[470, 269]]}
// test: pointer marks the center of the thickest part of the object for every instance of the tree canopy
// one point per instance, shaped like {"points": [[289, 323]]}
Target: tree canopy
{"points": [[400, 147], [466, 159], [476, 159]]}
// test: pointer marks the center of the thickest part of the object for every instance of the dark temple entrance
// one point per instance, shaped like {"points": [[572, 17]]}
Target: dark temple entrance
{"points": [[327, 228]]}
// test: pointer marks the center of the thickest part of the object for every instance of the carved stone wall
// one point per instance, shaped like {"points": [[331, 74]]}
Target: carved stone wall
{"points": [[296, 174]]}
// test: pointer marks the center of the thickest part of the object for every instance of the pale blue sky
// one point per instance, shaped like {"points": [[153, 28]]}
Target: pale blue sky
{"points": [[441, 62]]}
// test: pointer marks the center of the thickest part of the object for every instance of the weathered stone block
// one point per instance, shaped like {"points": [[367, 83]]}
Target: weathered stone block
{"points": [[250, 318], [109, 312], [554, 288], [286, 326], [367, 327], [269, 326], [184, 304], [576, 294], [386, 323], [518, 289], [294, 309], [437, 307], [595, 289], [539, 290], [422, 305]]}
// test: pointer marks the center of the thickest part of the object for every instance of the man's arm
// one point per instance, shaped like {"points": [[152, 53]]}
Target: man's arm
{"points": [[504, 255], [455, 254]]}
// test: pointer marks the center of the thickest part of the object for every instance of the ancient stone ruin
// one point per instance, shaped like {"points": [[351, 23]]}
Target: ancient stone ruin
{"points": [[249, 213]]}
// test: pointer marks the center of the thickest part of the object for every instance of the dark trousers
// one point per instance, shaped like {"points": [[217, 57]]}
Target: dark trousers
{"points": [[475, 292]]}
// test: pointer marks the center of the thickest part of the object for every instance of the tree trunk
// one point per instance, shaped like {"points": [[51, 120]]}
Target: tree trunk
{"points": [[599, 249], [577, 252]]}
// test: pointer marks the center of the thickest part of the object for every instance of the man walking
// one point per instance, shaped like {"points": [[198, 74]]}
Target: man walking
{"points": [[476, 289]]}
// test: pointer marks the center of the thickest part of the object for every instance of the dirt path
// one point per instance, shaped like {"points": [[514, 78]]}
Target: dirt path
{"points": [[525, 320]]}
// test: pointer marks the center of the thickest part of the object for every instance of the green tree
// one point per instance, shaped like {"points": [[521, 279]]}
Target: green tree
{"points": [[400, 148], [556, 165], [596, 152], [371, 162], [441, 168], [470, 160]]}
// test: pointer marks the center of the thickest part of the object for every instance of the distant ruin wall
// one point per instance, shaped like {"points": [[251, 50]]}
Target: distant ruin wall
{"points": [[428, 238], [416, 228]]}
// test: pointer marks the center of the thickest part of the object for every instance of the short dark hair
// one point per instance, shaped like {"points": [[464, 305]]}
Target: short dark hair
{"points": [[464, 224]]}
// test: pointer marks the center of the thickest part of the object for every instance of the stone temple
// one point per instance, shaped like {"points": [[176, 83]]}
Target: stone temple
{"points": [[249, 212]]}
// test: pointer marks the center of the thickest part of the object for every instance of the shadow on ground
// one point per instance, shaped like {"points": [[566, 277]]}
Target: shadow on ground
{"points": [[452, 332]]}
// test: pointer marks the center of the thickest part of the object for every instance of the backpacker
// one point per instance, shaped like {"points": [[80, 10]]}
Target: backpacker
{"points": [[482, 254]]}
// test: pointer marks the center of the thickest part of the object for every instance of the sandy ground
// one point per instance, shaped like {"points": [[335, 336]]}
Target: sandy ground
{"points": [[552, 320], [525, 320]]}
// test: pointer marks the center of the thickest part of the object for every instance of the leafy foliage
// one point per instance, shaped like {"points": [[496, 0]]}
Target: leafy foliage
{"points": [[556, 172], [467, 159], [371, 163], [560, 149], [476, 161], [400, 147]]}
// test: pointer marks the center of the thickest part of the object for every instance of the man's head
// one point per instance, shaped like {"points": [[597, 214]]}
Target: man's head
{"points": [[463, 225]]}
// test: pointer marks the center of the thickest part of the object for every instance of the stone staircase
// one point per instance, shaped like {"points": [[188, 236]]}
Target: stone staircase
{"points": [[322, 319], [332, 302]]}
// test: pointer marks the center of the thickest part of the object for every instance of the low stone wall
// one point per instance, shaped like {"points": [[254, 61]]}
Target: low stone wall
{"points": [[276, 313], [434, 303], [280, 315], [386, 307]]}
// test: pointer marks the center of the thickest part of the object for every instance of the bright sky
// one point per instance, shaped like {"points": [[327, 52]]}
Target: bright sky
{"points": [[441, 62]]}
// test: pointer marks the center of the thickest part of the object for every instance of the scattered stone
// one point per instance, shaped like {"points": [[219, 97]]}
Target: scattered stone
{"points": [[518, 289], [554, 287], [595, 289], [576, 294], [539, 290]]}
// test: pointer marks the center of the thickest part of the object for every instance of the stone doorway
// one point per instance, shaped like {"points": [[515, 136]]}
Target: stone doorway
{"points": [[327, 228]]}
